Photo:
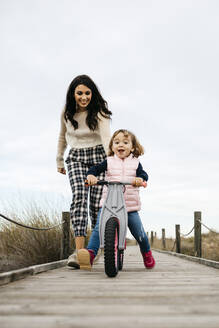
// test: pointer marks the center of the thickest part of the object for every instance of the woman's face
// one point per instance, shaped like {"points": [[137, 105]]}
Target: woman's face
{"points": [[82, 96]]}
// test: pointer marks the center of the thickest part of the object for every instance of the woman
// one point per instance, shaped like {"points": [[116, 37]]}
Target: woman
{"points": [[85, 127]]}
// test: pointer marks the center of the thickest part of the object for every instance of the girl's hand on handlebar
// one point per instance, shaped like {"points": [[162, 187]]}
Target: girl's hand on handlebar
{"points": [[138, 182], [91, 180], [61, 170]]}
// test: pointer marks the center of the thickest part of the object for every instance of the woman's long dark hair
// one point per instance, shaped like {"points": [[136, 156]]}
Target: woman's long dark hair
{"points": [[96, 105]]}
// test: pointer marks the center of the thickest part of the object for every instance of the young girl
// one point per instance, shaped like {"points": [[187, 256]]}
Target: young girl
{"points": [[121, 165], [85, 127]]}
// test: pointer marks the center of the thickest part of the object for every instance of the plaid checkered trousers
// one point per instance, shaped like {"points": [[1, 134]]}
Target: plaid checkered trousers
{"points": [[78, 162]]}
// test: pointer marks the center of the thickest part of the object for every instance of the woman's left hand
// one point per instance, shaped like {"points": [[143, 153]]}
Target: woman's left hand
{"points": [[137, 182]]}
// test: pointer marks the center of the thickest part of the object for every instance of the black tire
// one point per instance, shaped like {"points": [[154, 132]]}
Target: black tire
{"points": [[121, 257], [111, 251]]}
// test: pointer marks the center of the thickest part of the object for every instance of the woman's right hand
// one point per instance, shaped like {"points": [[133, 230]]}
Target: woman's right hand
{"points": [[61, 170]]}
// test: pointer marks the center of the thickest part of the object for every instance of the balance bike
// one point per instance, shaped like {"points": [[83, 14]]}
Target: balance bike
{"points": [[113, 226]]}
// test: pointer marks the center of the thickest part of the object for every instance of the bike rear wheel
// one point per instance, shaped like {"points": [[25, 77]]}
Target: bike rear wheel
{"points": [[111, 251]]}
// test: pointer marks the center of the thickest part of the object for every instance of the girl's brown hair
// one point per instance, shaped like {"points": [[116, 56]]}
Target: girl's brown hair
{"points": [[138, 149]]}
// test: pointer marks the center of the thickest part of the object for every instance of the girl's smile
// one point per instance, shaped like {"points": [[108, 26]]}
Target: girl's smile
{"points": [[83, 96], [122, 145]]}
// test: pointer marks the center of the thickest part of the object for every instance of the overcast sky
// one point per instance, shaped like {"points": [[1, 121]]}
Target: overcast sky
{"points": [[155, 62]]}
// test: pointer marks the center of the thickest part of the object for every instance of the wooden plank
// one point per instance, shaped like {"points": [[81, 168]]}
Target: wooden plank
{"points": [[176, 293], [65, 246], [211, 263], [163, 239], [197, 234], [14, 275], [178, 239]]}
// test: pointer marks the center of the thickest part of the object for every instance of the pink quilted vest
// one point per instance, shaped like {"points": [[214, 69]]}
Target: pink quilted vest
{"points": [[123, 170]]}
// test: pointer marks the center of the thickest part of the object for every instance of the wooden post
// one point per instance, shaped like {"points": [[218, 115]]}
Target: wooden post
{"points": [[197, 234], [178, 241], [65, 247], [155, 235], [147, 233], [152, 238], [163, 239]]}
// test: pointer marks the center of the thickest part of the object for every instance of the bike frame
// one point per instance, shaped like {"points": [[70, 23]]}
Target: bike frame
{"points": [[114, 206]]}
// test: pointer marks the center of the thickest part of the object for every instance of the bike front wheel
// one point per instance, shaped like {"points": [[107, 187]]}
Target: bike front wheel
{"points": [[121, 258], [111, 251]]}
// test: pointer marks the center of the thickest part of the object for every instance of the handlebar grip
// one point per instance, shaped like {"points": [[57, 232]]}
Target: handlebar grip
{"points": [[86, 183], [99, 182]]}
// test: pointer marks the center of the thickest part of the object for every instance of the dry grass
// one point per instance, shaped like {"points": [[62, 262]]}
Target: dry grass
{"points": [[21, 247], [210, 245]]}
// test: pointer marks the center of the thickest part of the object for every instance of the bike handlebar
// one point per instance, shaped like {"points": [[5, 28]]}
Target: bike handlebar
{"points": [[104, 182]]}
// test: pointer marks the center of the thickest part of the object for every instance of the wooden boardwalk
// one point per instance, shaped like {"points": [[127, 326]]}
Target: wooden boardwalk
{"points": [[176, 293]]}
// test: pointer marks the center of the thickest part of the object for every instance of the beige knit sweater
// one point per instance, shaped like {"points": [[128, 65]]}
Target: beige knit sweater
{"points": [[83, 137]]}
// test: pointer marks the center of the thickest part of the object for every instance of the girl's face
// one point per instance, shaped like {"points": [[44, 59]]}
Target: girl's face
{"points": [[82, 96], [122, 145]]}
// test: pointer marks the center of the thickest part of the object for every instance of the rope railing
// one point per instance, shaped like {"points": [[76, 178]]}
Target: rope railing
{"points": [[204, 225], [187, 234], [183, 235], [65, 244], [30, 227], [197, 236]]}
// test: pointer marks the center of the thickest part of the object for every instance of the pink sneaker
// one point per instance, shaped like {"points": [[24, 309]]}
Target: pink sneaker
{"points": [[85, 258], [149, 261]]}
